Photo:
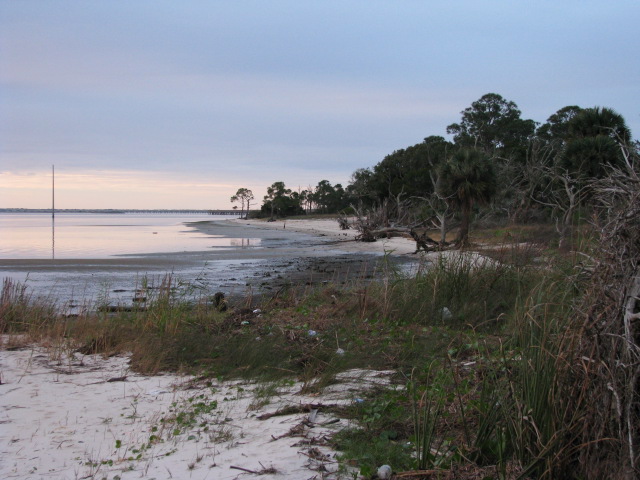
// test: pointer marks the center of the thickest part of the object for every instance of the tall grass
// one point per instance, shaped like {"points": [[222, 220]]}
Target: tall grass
{"points": [[20, 312], [458, 289], [518, 326], [543, 427]]}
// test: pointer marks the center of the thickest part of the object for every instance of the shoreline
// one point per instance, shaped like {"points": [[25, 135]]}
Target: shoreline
{"points": [[321, 227], [276, 254]]}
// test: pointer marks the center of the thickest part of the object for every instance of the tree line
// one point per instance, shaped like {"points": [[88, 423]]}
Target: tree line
{"points": [[497, 163]]}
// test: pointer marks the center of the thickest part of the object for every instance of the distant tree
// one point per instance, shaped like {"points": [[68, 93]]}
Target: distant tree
{"points": [[593, 141], [306, 199], [234, 199], [329, 198], [323, 194], [275, 195], [557, 125], [361, 188], [468, 178], [243, 195], [599, 121], [281, 200], [406, 173], [493, 125]]}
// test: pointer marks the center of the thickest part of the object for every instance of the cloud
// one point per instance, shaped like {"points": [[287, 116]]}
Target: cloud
{"points": [[112, 189], [162, 95]]}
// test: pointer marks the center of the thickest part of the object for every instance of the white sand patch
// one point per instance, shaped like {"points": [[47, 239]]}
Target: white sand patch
{"points": [[385, 246], [91, 417], [330, 228]]}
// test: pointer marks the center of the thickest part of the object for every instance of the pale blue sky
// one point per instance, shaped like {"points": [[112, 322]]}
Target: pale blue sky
{"points": [[176, 104]]}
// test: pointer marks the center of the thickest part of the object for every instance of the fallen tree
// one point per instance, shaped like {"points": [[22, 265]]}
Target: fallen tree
{"points": [[423, 241], [376, 224]]}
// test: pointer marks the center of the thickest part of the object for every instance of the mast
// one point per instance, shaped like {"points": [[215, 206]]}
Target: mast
{"points": [[53, 191]]}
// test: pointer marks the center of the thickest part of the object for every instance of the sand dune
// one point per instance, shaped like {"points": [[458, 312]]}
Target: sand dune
{"points": [[85, 416]]}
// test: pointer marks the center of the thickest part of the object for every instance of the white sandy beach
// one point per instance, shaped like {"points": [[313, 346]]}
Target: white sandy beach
{"points": [[85, 416], [330, 228]]}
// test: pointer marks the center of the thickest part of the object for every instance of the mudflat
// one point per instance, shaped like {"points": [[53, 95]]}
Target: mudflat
{"points": [[263, 256]]}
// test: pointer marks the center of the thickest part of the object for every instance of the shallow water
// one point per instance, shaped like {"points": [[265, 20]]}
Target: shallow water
{"points": [[90, 235], [84, 259], [201, 257]]}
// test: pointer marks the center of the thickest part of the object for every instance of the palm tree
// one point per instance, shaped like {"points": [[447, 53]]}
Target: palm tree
{"points": [[596, 121], [587, 158], [465, 179], [593, 142]]}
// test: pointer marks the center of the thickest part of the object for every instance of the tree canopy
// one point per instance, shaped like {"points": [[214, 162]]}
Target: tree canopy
{"points": [[493, 125], [495, 158]]}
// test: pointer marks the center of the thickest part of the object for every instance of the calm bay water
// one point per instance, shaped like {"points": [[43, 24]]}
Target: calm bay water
{"points": [[81, 259], [91, 235]]}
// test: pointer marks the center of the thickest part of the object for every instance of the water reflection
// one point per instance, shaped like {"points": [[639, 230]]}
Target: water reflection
{"points": [[243, 242], [74, 236]]}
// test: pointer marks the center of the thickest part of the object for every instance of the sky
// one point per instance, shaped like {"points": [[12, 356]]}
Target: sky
{"points": [[177, 104]]}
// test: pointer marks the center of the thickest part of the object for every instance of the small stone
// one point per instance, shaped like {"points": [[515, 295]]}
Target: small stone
{"points": [[445, 313], [384, 472]]}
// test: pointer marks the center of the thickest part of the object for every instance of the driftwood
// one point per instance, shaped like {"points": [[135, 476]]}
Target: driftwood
{"points": [[368, 234], [294, 409], [343, 222], [423, 241], [427, 244]]}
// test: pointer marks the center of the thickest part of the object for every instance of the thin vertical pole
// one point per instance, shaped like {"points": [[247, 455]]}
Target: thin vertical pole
{"points": [[53, 191]]}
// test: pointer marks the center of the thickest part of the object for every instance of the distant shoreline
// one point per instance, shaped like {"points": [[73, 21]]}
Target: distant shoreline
{"points": [[106, 210]]}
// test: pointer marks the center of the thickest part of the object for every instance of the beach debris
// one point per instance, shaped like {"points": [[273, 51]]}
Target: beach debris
{"points": [[445, 314], [263, 471], [343, 222], [312, 333], [339, 351], [384, 472], [313, 415], [245, 322], [257, 310], [220, 302], [303, 408], [156, 392]]}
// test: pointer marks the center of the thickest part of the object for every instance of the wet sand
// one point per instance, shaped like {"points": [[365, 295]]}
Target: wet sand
{"points": [[293, 252]]}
